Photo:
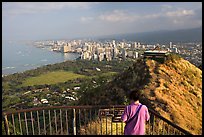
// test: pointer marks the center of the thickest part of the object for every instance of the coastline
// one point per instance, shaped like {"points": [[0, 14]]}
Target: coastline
{"points": [[6, 70]]}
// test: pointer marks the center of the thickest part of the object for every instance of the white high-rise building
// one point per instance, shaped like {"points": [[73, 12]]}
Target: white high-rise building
{"points": [[66, 47], [89, 48], [108, 56], [138, 45], [135, 45], [122, 45], [101, 56], [86, 55], [114, 45], [100, 50], [136, 55], [170, 45]]}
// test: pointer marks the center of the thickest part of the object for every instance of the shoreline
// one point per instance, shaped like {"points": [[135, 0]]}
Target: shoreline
{"points": [[28, 65]]}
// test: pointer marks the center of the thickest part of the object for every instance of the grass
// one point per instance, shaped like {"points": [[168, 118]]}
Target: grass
{"points": [[109, 74], [57, 77], [51, 78], [103, 127], [185, 92], [5, 86]]}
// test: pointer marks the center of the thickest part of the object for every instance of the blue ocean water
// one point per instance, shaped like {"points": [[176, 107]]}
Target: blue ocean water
{"points": [[20, 56]]}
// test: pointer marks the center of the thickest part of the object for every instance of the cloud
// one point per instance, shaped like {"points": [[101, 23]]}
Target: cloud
{"points": [[124, 16], [166, 7], [151, 16], [118, 15], [173, 18], [101, 19], [86, 19], [17, 8], [180, 13]]}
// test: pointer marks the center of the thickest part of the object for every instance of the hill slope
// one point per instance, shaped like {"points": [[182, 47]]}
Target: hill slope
{"points": [[173, 89], [176, 93]]}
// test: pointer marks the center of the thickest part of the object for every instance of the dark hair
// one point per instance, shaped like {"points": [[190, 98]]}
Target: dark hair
{"points": [[135, 95]]}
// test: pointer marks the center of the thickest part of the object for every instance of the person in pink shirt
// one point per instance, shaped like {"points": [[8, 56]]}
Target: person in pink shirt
{"points": [[135, 124]]}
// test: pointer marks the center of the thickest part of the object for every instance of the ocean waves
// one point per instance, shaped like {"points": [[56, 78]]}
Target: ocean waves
{"points": [[6, 68]]}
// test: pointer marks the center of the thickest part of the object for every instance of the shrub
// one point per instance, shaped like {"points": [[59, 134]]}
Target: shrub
{"points": [[172, 57]]}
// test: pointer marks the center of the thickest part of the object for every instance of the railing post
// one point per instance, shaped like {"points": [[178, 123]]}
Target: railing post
{"points": [[153, 126], [6, 125], [74, 122], [8, 118]]}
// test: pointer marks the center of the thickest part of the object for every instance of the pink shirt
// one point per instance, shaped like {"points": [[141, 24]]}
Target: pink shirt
{"points": [[133, 127]]}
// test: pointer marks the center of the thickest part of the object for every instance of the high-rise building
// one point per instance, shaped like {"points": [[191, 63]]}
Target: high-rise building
{"points": [[115, 52], [138, 45], [100, 50], [55, 44], [170, 45], [66, 47], [114, 44], [101, 56], [108, 56], [89, 48], [135, 45], [124, 53], [122, 45], [108, 49], [136, 55], [86, 55]]}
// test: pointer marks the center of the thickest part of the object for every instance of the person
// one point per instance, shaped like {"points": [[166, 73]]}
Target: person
{"points": [[136, 125]]}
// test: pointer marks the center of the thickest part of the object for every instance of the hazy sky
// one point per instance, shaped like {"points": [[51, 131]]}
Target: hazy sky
{"points": [[66, 20]]}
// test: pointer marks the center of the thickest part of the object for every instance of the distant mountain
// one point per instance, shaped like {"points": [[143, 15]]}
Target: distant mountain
{"points": [[165, 36]]}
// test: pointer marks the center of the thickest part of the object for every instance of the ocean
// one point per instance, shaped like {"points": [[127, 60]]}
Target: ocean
{"points": [[19, 56]]}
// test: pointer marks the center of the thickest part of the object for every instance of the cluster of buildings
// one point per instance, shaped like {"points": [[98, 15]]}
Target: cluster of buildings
{"points": [[47, 97], [108, 51], [191, 52], [120, 50], [92, 50]]}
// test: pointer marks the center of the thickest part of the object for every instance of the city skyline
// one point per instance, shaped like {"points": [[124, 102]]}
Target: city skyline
{"points": [[68, 20]]}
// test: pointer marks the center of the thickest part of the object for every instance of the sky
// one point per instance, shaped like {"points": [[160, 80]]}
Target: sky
{"points": [[69, 20]]}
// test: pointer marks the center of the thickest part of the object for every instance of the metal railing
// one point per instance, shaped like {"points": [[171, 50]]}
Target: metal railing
{"points": [[80, 120]]}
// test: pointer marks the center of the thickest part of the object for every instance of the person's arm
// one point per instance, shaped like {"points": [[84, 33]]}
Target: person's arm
{"points": [[124, 115], [147, 116]]}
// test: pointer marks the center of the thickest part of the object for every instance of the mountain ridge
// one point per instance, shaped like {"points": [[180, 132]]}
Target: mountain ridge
{"points": [[163, 36]]}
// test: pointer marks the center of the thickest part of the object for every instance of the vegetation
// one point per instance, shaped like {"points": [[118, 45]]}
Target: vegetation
{"points": [[172, 88], [55, 82], [176, 91], [51, 78], [117, 129], [173, 57]]}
